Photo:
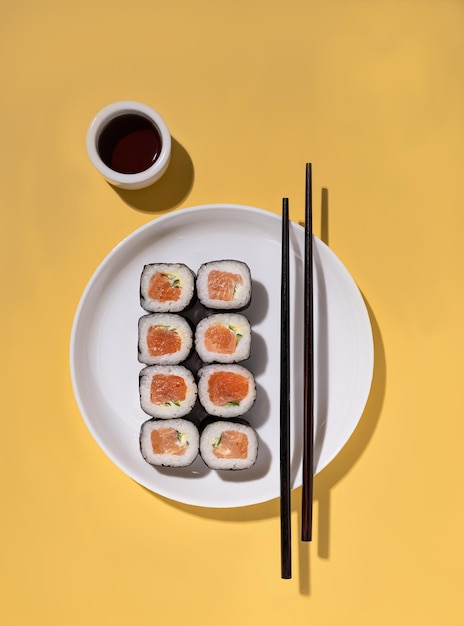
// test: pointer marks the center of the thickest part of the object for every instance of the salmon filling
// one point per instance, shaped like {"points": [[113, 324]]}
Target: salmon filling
{"points": [[164, 288], [222, 285], [162, 340], [227, 388], [166, 389], [167, 441], [220, 339], [231, 445]]}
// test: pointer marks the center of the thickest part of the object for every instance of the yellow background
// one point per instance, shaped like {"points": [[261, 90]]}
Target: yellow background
{"points": [[373, 94]]}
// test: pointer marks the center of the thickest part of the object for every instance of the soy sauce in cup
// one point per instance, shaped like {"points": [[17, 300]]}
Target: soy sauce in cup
{"points": [[129, 143]]}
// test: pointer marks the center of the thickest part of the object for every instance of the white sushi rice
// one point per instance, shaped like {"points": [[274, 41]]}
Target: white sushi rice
{"points": [[171, 409], [230, 408], [187, 436], [236, 323], [180, 275], [242, 291], [210, 441], [177, 324]]}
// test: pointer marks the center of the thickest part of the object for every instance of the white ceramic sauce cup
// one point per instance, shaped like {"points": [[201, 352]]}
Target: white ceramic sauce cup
{"points": [[139, 179]]}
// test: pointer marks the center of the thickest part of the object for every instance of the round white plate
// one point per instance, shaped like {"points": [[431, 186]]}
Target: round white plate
{"points": [[105, 369]]}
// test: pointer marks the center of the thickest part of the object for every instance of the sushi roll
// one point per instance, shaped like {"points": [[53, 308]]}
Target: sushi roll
{"points": [[167, 391], [228, 445], [226, 390], [169, 443], [223, 338], [166, 287], [224, 285], [164, 339]]}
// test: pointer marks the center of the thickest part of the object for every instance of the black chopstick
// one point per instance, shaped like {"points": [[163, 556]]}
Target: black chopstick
{"points": [[308, 417], [285, 489]]}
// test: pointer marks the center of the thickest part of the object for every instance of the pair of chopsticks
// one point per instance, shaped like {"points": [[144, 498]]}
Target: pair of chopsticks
{"points": [[308, 410]]}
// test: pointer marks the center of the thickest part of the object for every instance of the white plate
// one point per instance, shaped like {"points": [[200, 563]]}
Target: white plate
{"points": [[105, 368]]}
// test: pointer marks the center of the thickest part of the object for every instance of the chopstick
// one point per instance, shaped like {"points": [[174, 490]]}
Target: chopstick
{"points": [[308, 417], [285, 489]]}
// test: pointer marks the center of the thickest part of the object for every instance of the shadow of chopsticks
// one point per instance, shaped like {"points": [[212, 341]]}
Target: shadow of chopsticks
{"points": [[325, 215]]}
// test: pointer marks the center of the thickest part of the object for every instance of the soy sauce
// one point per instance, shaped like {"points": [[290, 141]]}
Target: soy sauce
{"points": [[129, 144]]}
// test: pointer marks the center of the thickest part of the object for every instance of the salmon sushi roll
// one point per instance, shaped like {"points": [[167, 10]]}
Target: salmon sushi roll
{"points": [[229, 445], [223, 338], [164, 339], [166, 287], [167, 391], [224, 285], [169, 443], [226, 390]]}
